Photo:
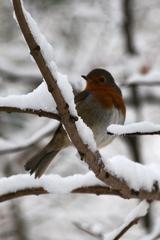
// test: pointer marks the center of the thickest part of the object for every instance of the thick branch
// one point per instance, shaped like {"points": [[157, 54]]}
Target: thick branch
{"points": [[93, 159], [134, 129]]}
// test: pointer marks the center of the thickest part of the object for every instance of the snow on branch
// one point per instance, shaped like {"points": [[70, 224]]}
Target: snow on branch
{"points": [[133, 217], [140, 178], [38, 102], [138, 128], [9, 147], [59, 88], [24, 185], [57, 83], [152, 78], [143, 181], [80, 135]]}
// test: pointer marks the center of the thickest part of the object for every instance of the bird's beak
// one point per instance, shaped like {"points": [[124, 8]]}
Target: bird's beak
{"points": [[83, 76]]}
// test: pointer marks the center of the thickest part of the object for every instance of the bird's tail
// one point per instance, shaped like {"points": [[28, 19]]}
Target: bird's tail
{"points": [[38, 163]]}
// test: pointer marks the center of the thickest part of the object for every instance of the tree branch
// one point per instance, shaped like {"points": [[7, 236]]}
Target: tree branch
{"points": [[134, 129], [93, 159], [133, 217], [141, 83], [39, 112], [131, 224], [98, 190], [134, 133], [100, 236]]}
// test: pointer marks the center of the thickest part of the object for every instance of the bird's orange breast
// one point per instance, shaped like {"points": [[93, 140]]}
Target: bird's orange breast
{"points": [[108, 96]]}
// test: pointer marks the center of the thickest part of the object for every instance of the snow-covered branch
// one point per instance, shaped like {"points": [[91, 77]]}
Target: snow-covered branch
{"points": [[39, 102], [133, 217], [40, 113], [143, 182], [59, 89], [152, 78], [127, 184], [24, 185], [138, 128]]}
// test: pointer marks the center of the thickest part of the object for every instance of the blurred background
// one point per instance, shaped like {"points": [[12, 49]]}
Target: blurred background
{"points": [[121, 36]]}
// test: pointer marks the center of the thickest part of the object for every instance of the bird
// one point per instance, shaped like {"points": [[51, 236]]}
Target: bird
{"points": [[100, 104]]}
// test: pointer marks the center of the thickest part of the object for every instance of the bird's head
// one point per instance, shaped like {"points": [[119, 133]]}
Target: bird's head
{"points": [[101, 84]]}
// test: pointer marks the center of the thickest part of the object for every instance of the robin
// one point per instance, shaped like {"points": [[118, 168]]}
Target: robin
{"points": [[99, 105]]}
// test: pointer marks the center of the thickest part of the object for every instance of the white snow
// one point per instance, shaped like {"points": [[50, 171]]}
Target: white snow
{"points": [[152, 76], [86, 134], [51, 183], [137, 127], [38, 99], [62, 80], [48, 54], [91, 40], [139, 211], [136, 175]]}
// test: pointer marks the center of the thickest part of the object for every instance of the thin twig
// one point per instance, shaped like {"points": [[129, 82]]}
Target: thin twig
{"points": [[88, 231], [131, 224], [140, 84], [40, 113], [98, 190], [134, 133], [100, 236]]}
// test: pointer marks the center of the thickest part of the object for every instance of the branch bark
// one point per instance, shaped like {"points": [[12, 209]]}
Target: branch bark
{"points": [[98, 190], [39, 112], [131, 224], [135, 133]]}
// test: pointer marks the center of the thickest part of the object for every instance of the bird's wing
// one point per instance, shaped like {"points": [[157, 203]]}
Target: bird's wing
{"points": [[81, 96]]}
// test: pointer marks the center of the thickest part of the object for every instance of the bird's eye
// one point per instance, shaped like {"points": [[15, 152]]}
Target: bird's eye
{"points": [[102, 79]]}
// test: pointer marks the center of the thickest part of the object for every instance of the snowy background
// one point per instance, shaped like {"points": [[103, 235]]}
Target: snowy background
{"points": [[85, 34]]}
